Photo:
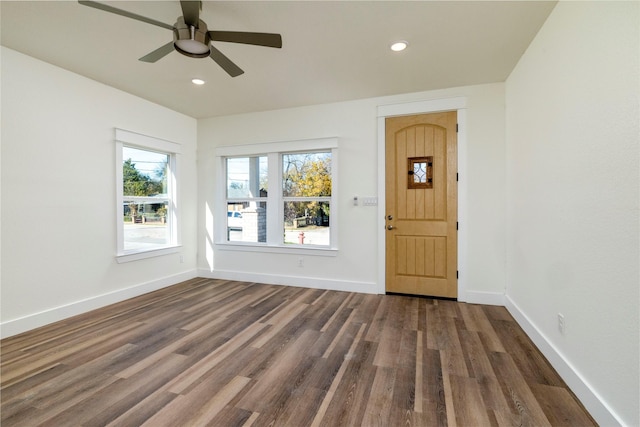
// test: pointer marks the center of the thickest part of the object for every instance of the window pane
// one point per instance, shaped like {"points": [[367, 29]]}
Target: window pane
{"points": [[145, 225], [306, 223], [144, 173], [306, 174], [247, 222], [247, 177]]}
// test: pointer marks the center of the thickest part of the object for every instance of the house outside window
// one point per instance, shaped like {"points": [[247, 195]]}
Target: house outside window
{"points": [[279, 197], [146, 171], [246, 190]]}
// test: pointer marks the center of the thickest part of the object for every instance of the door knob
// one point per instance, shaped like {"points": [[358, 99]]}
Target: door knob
{"points": [[389, 227], [389, 217]]}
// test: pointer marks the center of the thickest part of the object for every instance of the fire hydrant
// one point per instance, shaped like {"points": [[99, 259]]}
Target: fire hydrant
{"points": [[301, 238]]}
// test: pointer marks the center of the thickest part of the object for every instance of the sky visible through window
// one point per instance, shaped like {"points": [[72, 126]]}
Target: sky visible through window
{"points": [[238, 168], [146, 162], [238, 173]]}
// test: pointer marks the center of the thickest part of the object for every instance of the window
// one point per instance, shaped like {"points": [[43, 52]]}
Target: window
{"points": [[247, 184], [281, 196], [146, 196], [306, 188]]}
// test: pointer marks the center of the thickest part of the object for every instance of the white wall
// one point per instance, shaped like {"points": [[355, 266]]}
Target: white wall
{"points": [[573, 186], [570, 159], [58, 193], [355, 124]]}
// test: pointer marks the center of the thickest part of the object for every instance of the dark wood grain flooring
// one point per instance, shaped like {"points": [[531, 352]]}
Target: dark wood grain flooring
{"points": [[223, 353]]}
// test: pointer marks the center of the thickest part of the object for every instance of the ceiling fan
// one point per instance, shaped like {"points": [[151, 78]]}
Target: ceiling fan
{"points": [[192, 38]]}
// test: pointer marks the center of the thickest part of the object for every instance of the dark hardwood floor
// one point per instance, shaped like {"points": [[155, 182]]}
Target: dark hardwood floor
{"points": [[224, 353]]}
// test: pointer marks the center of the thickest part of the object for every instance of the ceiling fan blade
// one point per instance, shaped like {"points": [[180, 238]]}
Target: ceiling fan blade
{"points": [[121, 12], [191, 12], [258, 39], [158, 53], [232, 69]]}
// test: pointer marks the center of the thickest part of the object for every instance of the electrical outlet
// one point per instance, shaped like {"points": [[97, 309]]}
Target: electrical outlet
{"points": [[181, 259], [300, 262], [561, 323]]}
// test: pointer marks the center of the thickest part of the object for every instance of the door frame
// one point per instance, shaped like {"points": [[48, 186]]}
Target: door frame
{"points": [[458, 104]]}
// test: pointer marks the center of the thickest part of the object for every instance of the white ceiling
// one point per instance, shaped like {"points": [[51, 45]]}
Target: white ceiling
{"points": [[332, 50]]}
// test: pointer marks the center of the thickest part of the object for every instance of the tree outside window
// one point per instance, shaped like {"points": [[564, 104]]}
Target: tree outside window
{"points": [[306, 181], [278, 195], [145, 198]]}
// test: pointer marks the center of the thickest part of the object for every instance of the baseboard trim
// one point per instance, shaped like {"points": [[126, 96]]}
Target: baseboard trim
{"points": [[36, 320], [298, 281], [486, 298], [591, 400]]}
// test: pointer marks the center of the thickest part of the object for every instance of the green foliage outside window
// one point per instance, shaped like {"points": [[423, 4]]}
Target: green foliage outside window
{"points": [[307, 175], [138, 184]]}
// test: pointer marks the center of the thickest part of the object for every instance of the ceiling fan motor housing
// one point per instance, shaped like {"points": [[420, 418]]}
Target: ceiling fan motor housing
{"points": [[190, 40]]}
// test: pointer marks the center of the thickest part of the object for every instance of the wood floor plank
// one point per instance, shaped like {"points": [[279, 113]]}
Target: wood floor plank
{"points": [[142, 410], [378, 322], [130, 392], [518, 393], [278, 323], [467, 399], [199, 369], [279, 381], [336, 313], [45, 360], [378, 407], [214, 405], [336, 373], [346, 399], [476, 320], [163, 352], [434, 403], [226, 353], [531, 363], [232, 416], [560, 406], [404, 394], [388, 347], [348, 322], [418, 404], [119, 396]]}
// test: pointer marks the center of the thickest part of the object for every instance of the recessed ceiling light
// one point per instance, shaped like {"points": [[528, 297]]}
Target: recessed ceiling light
{"points": [[399, 45], [197, 81]]}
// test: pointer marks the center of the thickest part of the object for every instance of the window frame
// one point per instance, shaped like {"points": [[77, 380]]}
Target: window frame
{"points": [[275, 199], [124, 138]]}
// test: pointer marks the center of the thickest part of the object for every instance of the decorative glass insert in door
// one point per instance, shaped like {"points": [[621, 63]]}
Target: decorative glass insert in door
{"points": [[420, 172]]}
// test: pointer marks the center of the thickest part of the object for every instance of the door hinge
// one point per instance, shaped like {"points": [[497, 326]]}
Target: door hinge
{"points": [[457, 224], [457, 274], [456, 176], [456, 127]]}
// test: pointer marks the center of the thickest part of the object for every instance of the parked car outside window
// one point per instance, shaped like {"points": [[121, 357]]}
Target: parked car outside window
{"points": [[234, 220]]}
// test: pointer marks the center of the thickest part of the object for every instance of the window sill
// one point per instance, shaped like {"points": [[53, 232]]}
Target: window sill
{"points": [[293, 249], [135, 256]]}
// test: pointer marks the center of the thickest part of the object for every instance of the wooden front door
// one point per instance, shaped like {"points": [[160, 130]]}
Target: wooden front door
{"points": [[421, 204]]}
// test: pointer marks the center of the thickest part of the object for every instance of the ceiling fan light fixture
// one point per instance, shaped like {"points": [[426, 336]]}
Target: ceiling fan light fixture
{"points": [[191, 41], [198, 82], [192, 48], [399, 46], [192, 38]]}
